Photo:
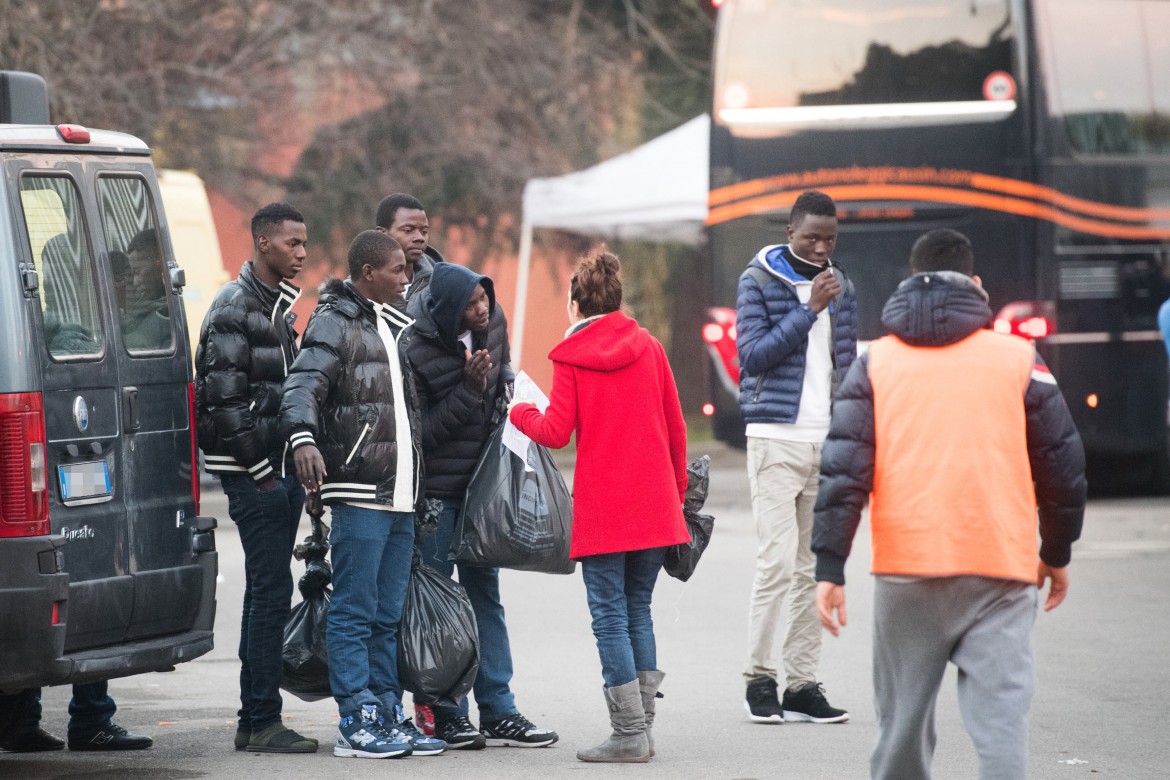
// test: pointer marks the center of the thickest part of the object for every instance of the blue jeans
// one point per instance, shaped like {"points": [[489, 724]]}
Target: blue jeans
{"points": [[492, 694], [619, 587], [267, 523], [371, 551], [90, 709]]}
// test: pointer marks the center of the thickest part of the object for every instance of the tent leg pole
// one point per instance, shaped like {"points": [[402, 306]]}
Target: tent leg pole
{"points": [[520, 310]]}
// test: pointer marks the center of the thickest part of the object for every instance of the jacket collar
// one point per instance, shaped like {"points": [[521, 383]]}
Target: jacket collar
{"points": [[278, 300]]}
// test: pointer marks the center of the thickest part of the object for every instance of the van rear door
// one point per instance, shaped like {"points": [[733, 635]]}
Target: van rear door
{"points": [[73, 339], [154, 371]]}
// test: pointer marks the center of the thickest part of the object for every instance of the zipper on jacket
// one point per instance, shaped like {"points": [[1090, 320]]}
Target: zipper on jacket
{"points": [[358, 443], [759, 384]]}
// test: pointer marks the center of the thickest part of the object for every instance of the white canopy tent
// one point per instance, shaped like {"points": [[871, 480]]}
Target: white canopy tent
{"points": [[656, 192]]}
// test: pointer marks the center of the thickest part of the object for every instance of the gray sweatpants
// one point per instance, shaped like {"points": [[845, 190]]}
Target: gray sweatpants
{"points": [[981, 625]]}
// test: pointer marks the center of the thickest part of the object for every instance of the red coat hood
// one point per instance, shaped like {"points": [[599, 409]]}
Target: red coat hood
{"points": [[605, 344]]}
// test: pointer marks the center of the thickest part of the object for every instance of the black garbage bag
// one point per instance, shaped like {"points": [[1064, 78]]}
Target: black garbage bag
{"points": [[305, 672], [681, 559], [513, 517], [306, 660], [438, 641]]}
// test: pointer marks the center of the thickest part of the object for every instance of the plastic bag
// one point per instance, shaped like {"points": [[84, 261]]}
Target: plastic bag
{"points": [[681, 559], [305, 672], [438, 641], [306, 660], [513, 517]]}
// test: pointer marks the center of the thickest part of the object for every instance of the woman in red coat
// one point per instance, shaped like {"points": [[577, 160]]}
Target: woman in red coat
{"points": [[613, 387]]}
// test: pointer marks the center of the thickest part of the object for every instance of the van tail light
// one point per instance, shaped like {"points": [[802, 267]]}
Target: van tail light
{"points": [[194, 445], [24, 494], [1026, 319]]}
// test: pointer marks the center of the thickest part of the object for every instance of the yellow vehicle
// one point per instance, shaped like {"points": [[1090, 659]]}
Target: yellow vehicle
{"points": [[195, 241]]}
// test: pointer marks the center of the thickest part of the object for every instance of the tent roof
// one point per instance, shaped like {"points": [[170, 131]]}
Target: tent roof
{"points": [[657, 191]]}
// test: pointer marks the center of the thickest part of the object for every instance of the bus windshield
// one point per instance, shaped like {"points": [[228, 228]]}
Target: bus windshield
{"points": [[800, 54], [1108, 68]]}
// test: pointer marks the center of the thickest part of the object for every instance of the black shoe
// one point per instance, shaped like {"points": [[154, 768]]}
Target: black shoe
{"points": [[36, 742], [110, 737], [459, 734], [762, 704], [516, 731], [808, 704]]}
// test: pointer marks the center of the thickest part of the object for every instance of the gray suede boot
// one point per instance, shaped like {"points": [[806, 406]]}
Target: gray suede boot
{"points": [[627, 744], [649, 682]]}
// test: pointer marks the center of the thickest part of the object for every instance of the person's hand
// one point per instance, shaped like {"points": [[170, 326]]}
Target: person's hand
{"points": [[310, 467], [1059, 587], [831, 598], [513, 404], [267, 485], [475, 373], [824, 289]]}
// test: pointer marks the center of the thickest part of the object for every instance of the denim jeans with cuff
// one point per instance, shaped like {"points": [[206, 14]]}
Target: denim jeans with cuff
{"points": [[493, 695], [371, 550]]}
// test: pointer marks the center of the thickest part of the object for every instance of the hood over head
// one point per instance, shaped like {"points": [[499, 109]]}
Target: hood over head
{"points": [[450, 291], [607, 343], [936, 308]]}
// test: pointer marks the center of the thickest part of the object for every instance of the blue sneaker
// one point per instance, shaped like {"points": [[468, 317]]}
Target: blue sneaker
{"points": [[364, 735], [405, 730]]}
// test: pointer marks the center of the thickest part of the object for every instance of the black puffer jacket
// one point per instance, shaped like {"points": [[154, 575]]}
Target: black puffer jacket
{"points": [[935, 310], [245, 347], [340, 396], [456, 422]]}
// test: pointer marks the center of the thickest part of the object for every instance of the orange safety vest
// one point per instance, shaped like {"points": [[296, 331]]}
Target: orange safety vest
{"points": [[952, 489]]}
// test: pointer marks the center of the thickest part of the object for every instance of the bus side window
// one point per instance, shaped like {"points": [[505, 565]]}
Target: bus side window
{"points": [[56, 236], [141, 277]]}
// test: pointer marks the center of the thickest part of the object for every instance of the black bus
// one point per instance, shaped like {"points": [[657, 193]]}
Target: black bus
{"points": [[1039, 128]]}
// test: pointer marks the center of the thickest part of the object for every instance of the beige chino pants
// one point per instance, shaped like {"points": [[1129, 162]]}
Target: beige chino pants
{"points": [[783, 477]]}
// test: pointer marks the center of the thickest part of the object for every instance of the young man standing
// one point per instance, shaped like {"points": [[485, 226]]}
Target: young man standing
{"points": [[350, 413], [961, 435], [458, 349], [245, 348], [403, 218], [796, 320]]}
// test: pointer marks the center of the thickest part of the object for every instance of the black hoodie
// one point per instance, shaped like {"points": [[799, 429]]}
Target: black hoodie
{"points": [[455, 421]]}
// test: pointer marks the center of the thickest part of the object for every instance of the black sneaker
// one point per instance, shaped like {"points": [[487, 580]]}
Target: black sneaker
{"points": [[762, 704], [516, 731], [35, 742], [459, 734], [109, 737], [808, 704]]}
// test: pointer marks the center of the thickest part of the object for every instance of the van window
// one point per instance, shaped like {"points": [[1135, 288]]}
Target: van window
{"points": [[56, 237], [141, 276]]}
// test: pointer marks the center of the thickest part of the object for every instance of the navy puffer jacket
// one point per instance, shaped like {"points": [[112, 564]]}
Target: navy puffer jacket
{"points": [[772, 327]]}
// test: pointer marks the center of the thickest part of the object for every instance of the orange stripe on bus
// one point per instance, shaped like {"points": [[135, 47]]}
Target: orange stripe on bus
{"points": [[895, 176], [941, 195]]}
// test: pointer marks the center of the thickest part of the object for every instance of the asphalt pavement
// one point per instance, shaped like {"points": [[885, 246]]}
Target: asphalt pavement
{"points": [[1101, 707]]}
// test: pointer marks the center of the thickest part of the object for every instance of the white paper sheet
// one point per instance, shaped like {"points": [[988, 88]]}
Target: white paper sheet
{"points": [[524, 390]]}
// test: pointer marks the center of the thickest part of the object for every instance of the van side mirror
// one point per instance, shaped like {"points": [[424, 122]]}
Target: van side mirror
{"points": [[178, 277]]}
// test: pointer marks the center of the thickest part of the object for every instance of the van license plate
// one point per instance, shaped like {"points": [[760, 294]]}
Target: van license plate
{"points": [[84, 480]]}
